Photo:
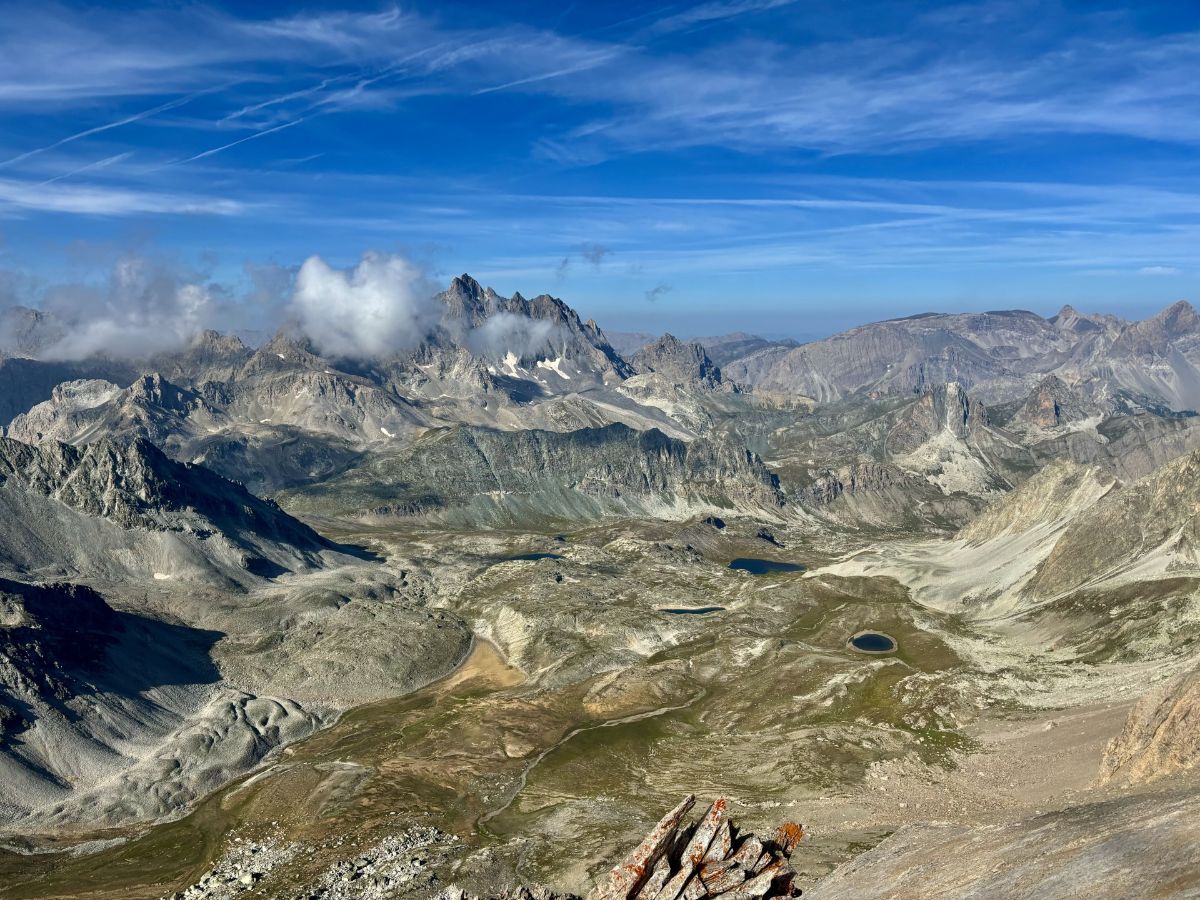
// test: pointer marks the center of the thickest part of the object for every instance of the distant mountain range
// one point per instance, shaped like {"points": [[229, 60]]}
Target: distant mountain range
{"points": [[996, 355], [170, 612], [1091, 388]]}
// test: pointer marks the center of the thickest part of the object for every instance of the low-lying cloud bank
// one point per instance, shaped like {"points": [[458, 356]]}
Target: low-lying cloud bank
{"points": [[145, 308], [385, 304]]}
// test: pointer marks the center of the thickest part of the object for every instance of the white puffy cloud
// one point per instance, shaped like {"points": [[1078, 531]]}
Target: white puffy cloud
{"points": [[146, 308], [505, 333], [382, 305]]}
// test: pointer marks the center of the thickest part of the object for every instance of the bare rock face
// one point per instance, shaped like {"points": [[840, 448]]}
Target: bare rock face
{"points": [[24, 383], [710, 858], [494, 476], [726, 348], [88, 409], [49, 635], [1161, 735], [1050, 405], [114, 510], [681, 362], [943, 408], [135, 485], [857, 478], [1143, 846]]}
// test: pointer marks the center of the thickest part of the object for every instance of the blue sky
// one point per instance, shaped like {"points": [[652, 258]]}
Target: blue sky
{"points": [[781, 167]]}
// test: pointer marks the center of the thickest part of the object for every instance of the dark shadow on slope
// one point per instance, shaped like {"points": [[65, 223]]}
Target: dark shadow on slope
{"points": [[63, 642]]}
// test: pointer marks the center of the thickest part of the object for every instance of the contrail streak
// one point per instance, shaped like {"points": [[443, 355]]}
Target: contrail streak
{"points": [[128, 120]]}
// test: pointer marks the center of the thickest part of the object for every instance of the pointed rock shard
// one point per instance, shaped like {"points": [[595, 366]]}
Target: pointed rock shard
{"points": [[787, 836], [705, 832], [658, 877], [623, 882], [721, 845], [748, 853], [694, 890], [673, 889]]}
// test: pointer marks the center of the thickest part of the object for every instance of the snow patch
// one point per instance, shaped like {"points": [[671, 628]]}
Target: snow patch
{"points": [[555, 366]]}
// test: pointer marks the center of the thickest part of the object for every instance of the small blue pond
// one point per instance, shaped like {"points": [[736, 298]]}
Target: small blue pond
{"points": [[533, 557], [764, 566], [694, 611], [872, 642]]}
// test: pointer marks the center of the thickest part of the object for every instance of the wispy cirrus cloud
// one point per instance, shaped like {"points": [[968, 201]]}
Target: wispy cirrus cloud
{"points": [[942, 79], [95, 200], [749, 139]]}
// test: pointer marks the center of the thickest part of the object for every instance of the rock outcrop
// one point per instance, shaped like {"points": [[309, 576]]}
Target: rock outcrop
{"points": [[1138, 846], [710, 858], [1161, 735], [678, 361]]}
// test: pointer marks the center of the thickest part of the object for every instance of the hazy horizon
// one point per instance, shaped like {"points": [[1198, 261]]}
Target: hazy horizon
{"points": [[750, 165]]}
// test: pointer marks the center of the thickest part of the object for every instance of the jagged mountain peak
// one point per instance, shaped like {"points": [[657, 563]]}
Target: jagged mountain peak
{"points": [[152, 388], [1070, 320], [288, 339], [134, 484], [1050, 404], [467, 284], [544, 327], [219, 342], [684, 362], [1178, 319]]}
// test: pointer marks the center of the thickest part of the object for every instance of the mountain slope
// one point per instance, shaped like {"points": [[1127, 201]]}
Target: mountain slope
{"points": [[1139, 846], [1147, 530], [89, 694], [469, 474], [118, 510]]}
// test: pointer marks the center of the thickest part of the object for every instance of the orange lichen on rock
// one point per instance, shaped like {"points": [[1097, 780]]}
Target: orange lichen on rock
{"points": [[710, 859]]}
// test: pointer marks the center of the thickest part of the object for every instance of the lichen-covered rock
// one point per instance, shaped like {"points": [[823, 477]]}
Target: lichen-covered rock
{"points": [[708, 859]]}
